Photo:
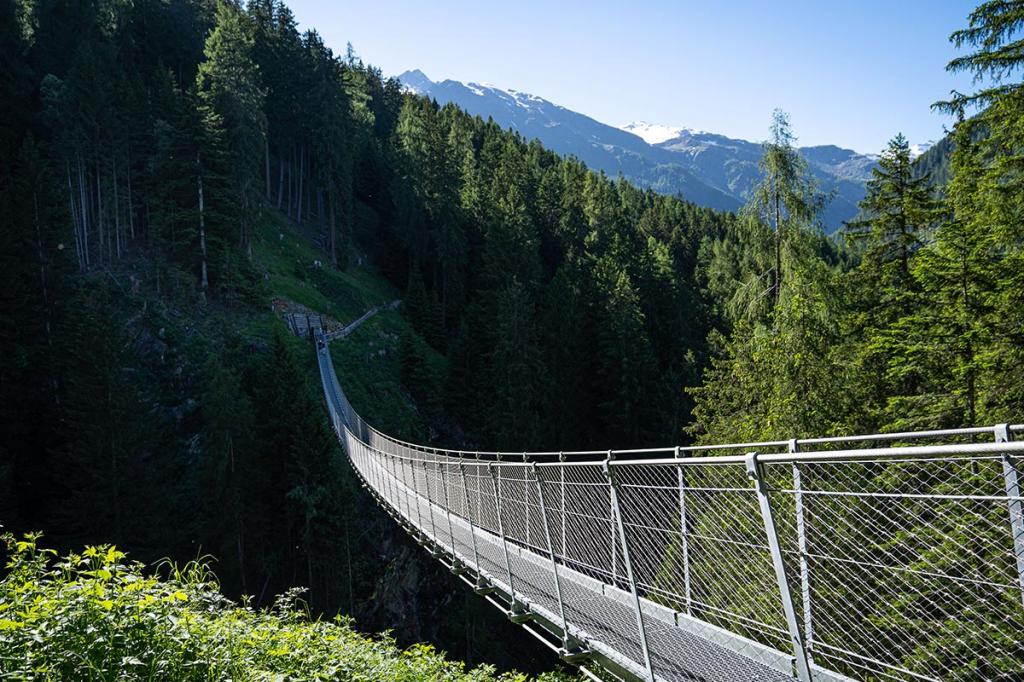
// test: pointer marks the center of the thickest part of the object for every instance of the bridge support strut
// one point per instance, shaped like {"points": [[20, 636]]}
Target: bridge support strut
{"points": [[1011, 479], [516, 608], [684, 533], [804, 552], [613, 489], [569, 650], [756, 473]]}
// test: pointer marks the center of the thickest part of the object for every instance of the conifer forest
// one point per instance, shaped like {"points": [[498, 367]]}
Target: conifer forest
{"points": [[180, 179]]}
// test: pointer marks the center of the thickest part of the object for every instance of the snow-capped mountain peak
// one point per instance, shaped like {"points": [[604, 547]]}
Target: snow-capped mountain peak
{"points": [[652, 133], [920, 148], [416, 82]]}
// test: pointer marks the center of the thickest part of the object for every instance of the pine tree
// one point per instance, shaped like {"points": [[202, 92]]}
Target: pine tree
{"points": [[421, 308], [566, 334], [994, 35], [228, 425], [900, 214], [941, 343], [785, 198], [514, 369], [626, 366], [418, 379], [232, 97]]}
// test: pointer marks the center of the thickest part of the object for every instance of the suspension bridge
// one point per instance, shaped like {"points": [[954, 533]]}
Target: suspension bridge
{"points": [[893, 556]]}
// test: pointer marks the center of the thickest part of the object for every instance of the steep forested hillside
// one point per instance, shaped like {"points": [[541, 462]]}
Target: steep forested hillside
{"points": [[174, 171]]}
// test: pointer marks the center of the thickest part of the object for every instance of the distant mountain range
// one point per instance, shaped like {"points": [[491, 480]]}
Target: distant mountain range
{"points": [[705, 168]]}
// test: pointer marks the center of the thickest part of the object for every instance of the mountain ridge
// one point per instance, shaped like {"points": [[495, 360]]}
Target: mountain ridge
{"points": [[709, 169]]}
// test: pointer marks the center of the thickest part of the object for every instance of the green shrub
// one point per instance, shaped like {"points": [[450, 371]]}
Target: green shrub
{"points": [[98, 616]]}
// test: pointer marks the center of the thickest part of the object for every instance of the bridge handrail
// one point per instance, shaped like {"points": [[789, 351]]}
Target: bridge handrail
{"points": [[743, 446]]}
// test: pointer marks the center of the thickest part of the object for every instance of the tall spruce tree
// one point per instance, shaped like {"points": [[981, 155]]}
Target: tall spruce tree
{"points": [[996, 61], [232, 97], [900, 216], [785, 198]]}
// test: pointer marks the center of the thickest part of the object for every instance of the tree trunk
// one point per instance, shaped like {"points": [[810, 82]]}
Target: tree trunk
{"points": [[85, 210], [777, 278], [48, 324], [309, 557], [42, 268], [969, 349], [298, 204], [243, 232], [204, 281], [104, 237], [309, 194], [291, 184], [117, 212], [348, 564], [75, 219], [131, 208], [334, 231], [266, 161], [280, 181]]}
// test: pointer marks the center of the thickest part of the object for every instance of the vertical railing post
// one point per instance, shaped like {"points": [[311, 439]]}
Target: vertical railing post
{"points": [[448, 512], [480, 582], [373, 479], [389, 483], [396, 484], [756, 474], [1011, 481], [379, 471], [551, 554], [403, 484], [684, 533], [526, 503], [803, 549], [495, 475], [611, 527], [616, 510], [415, 492], [561, 471], [377, 478], [479, 495], [430, 503], [383, 487]]}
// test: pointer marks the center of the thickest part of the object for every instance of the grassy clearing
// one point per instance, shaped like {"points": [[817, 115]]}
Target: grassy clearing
{"points": [[369, 365], [369, 360], [287, 261]]}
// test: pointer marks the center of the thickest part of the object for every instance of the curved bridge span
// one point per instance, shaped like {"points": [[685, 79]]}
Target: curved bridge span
{"points": [[880, 557]]}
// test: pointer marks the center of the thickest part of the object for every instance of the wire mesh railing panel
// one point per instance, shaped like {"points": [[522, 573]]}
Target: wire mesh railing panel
{"points": [[482, 505], [908, 568], [583, 530], [698, 546], [514, 484]]}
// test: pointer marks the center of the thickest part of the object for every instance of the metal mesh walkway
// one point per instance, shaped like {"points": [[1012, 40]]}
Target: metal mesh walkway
{"points": [[870, 557]]}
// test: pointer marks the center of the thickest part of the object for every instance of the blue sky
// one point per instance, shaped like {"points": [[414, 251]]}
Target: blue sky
{"points": [[849, 73]]}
